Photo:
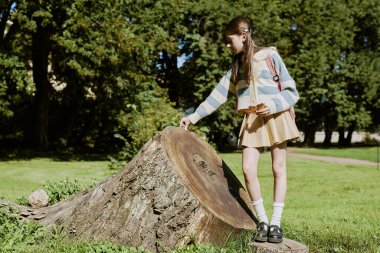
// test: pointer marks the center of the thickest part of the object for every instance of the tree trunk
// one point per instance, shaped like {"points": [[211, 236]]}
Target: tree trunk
{"points": [[341, 140], [3, 23], [40, 55], [62, 123], [327, 140], [349, 135], [309, 136], [172, 76], [328, 131], [175, 191]]}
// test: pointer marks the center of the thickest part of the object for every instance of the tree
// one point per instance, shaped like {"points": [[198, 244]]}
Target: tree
{"points": [[92, 62], [86, 60], [16, 88], [318, 41], [362, 73]]}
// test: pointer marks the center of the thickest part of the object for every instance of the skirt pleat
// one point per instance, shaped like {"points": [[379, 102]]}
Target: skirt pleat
{"points": [[266, 131]]}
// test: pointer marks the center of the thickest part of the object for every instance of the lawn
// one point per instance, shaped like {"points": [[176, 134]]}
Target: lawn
{"points": [[330, 207], [365, 153], [21, 177]]}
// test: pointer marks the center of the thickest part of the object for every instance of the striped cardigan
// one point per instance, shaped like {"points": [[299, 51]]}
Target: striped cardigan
{"points": [[264, 90]]}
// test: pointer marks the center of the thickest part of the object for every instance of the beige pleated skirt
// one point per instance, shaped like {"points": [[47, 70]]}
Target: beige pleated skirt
{"points": [[266, 131]]}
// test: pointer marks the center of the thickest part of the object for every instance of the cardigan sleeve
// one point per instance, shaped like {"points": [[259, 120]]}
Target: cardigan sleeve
{"points": [[288, 96], [218, 96]]}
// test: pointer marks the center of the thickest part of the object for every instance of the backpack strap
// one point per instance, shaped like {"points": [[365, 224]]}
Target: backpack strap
{"points": [[276, 78], [270, 64]]}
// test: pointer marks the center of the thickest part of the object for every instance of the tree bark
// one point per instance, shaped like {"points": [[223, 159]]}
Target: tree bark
{"points": [[327, 140], [40, 55], [348, 138], [341, 140], [309, 136], [175, 191], [3, 22], [172, 76], [328, 131]]}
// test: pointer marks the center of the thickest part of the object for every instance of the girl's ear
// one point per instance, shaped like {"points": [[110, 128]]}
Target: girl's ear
{"points": [[244, 37]]}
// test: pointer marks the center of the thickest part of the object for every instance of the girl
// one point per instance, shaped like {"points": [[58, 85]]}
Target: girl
{"points": [[265, 94]]}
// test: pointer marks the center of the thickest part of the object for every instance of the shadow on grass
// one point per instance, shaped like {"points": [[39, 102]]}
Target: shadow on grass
{"points": [[57, 155]]}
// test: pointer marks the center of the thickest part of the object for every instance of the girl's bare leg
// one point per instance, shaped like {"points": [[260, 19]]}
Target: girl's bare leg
{"points": [[250, 162], [278, 153]]}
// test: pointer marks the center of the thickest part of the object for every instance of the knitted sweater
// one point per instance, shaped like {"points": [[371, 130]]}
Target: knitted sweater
{"points": [[264, 89]]}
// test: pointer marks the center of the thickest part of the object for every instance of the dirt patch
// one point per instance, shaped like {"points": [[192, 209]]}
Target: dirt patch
{"points": [[341, 160]]}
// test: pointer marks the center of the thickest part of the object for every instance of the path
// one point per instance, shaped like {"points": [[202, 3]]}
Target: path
{"points": [[331, 159]]}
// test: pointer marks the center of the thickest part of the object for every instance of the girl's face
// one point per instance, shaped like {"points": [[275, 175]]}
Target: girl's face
{"points": [[236, 42]]}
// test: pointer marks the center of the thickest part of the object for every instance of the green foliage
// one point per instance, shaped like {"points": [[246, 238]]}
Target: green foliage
{"points": [[199, 248], [16, 236], [151, 113], [23, 201], [63, 244], [28, 236], [58, 191], [108, 247], [14, 83], [104, 56], [240, 244], [127, 152], [108, 61], [154, 113]]}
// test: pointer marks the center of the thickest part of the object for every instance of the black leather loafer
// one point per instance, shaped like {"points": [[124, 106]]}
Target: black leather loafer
{"points": [[262, 232], [275, 234]]}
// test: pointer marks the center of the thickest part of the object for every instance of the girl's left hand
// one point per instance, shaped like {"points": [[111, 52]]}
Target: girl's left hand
{"points": [[264, 111], [185, 122]]}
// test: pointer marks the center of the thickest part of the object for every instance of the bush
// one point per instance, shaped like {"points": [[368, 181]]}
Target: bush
{"points": [[61, 190], [126, 154], [152, 113], [16, 236], [23, 201], [58, 191]]}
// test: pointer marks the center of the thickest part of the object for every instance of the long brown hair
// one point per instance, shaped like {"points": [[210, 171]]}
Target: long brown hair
{"points": [[238, 26]]}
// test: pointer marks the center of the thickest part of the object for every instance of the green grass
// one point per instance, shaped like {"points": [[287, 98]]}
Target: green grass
{"points": [[330, 207], [364, 153], [19, 178]]}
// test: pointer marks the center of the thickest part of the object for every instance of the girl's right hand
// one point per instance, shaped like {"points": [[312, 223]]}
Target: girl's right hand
{"points": [[185, 122], [292, 112]]}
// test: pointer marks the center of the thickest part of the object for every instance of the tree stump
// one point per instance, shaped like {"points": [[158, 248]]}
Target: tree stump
{"points": [[175, 191]]}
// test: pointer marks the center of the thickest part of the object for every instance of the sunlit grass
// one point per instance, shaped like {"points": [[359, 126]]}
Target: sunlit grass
{"points": [[21, 177], [330, 207]]}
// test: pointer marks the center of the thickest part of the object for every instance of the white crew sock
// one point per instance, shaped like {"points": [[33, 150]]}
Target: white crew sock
{"points": [[277, 213], [260, 210]]}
